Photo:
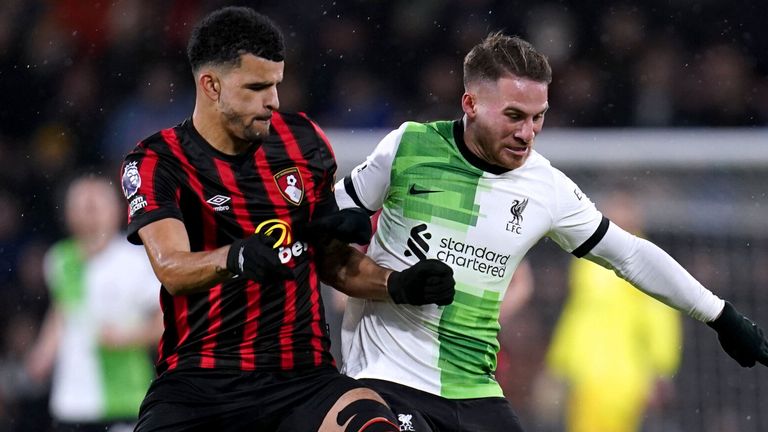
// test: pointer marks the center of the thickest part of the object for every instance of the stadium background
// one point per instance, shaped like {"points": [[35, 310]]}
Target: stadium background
{"points": [[686, 82]]}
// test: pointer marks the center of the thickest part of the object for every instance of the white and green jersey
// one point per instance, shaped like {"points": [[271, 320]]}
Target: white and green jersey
{"points": [[115, 288], [440, 201]]}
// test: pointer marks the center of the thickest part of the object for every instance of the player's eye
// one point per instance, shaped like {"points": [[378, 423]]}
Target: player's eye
{"points": [[257, 87]]}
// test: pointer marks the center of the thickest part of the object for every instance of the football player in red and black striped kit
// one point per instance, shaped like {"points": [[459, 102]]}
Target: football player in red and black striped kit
{"points": [[236, 211]]}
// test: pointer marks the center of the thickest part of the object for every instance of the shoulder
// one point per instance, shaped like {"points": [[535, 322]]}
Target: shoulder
{"points": [[297, 123], [537, 160], [565, 193], [161, 143], [424, 133], [300, 127], [165, 144], [64, 247], [170, 136], [64, 255], [293, 119], [435, 127], [442, 127], [540, 167], [550, 182], [298, 133]]}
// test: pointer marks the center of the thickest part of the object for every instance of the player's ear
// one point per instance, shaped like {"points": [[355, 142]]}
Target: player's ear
{"points": [[469, 104], [210, 84]]}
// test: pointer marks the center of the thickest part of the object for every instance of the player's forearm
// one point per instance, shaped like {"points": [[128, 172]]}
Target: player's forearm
{"points": [[660, 276], [184, 273], [353, 273], [176, 267], [363, 278]]}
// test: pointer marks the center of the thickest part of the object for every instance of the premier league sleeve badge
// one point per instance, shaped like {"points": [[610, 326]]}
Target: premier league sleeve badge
{"points": [[131, 179]]}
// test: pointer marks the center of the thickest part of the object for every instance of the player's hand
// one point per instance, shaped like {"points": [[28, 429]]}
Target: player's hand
{"points": [[352, 225], [428, 281], [741, 338], [256, 258]]}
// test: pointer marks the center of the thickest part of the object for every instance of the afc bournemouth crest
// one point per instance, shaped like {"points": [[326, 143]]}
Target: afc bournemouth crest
{"points": [[291, 185]]}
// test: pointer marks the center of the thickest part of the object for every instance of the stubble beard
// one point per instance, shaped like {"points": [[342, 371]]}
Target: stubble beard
{"points": [[252, 133], [240, 128]]}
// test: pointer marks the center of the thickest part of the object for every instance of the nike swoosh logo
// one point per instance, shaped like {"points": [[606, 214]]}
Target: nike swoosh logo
{"points": [[414, 191]]}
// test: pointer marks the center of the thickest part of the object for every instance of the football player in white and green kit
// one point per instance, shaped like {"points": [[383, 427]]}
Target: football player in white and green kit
{"points": [[474, 194], [103, 319]]}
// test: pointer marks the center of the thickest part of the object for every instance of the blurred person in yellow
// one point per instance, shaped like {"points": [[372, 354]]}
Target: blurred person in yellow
{"points": [[614, 346], [104, 316]]}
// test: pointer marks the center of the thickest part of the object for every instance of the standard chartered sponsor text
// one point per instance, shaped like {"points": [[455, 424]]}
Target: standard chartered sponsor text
{"points": [[479, 259]]}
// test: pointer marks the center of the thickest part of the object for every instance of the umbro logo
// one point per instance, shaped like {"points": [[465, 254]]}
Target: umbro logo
{"points": [[415, 191], [218, 201]]}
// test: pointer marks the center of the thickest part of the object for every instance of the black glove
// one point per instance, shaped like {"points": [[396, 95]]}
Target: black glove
{"points": [[256, 258], [428, 281], [740, 337], [352, 225]]}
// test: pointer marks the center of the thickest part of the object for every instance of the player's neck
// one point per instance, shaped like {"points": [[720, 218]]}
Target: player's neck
{"points": [[470, 140], [217, 136]]}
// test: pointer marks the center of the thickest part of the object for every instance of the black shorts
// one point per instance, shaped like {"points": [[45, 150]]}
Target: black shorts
{"points": [[420, 411], [230, 400]]}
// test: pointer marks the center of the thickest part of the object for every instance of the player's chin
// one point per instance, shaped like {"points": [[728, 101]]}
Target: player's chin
{"points": [[510, 161], [256, 131]]}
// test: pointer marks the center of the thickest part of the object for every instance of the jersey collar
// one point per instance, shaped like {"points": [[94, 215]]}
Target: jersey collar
{"points": [[208, 148], [458, 137]]}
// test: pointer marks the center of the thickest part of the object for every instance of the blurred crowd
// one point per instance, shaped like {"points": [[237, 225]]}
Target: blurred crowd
{"points": [[82, 82]]}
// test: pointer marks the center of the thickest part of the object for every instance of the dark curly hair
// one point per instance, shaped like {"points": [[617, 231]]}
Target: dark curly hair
{"points": [[227, 33], [499, 54]]}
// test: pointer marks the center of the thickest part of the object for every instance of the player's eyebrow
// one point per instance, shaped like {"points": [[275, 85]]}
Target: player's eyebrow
{"points": [[258, 85], [515, 110]]}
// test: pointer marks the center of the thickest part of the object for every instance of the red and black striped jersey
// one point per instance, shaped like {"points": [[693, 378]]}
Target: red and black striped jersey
{"points": [[278, 184]]}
